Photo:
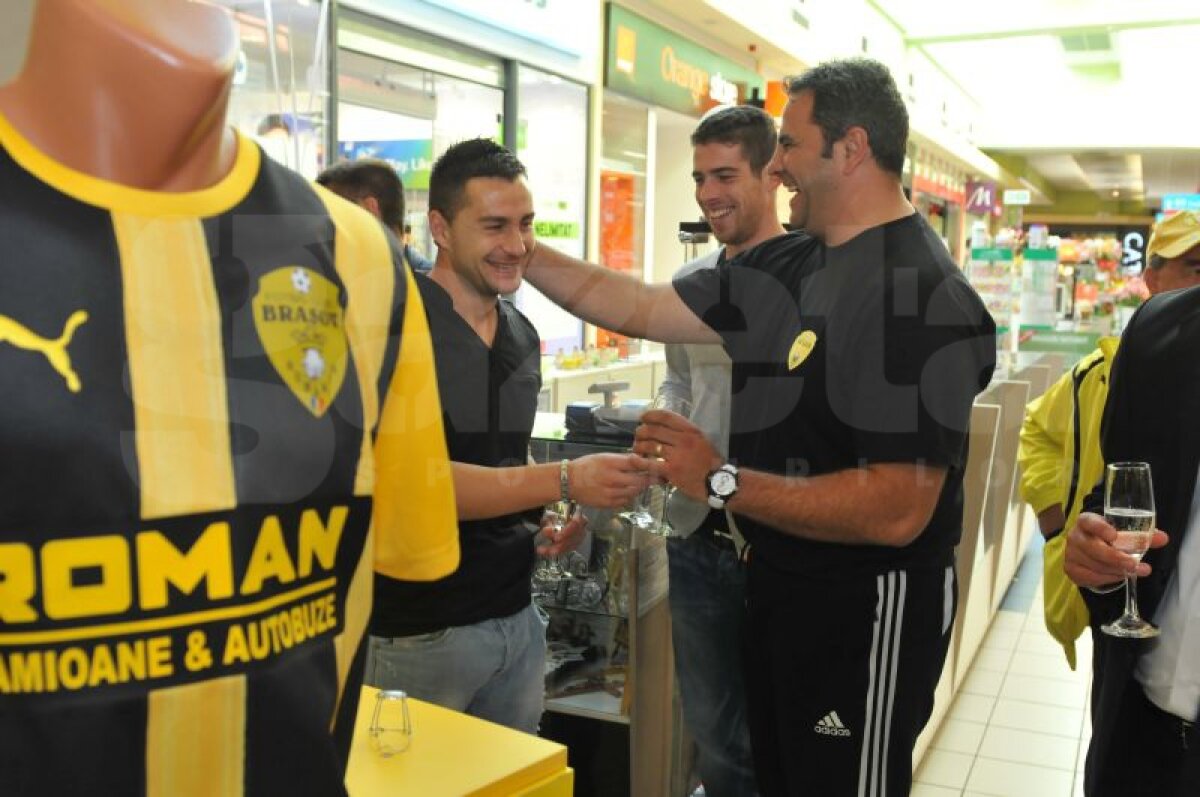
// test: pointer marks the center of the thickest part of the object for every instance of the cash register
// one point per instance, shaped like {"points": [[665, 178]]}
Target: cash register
{"points": [[609, 422]]}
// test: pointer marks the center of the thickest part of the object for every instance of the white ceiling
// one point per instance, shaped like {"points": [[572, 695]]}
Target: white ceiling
{"points": [[1094, 94], [1122, 116]]}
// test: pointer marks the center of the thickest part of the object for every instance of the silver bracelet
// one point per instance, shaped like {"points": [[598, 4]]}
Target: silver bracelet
{"points": [[564, 483]]}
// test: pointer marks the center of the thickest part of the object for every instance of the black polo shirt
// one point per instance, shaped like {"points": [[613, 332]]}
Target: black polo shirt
{"points": [[489, 400], [872, 351]]}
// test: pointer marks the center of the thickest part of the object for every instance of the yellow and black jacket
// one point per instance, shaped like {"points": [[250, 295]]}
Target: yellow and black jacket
{"points": [[1060, 462], [218, 417]]}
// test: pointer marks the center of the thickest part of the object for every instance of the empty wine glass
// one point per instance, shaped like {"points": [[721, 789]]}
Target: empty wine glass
{"points": [[639, 515], [391, 724], [574, 564], [680, 405], [549, 568], [1129, 508]]}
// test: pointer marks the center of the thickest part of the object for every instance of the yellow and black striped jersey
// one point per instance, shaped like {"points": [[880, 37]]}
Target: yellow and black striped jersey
{"points": [[218, 417]]}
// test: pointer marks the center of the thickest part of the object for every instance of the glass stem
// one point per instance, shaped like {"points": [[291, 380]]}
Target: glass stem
{"points": [[1131, 609]]}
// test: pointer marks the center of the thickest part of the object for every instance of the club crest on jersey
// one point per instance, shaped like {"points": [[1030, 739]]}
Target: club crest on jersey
{"points": [[802, 346], [300, 324]]}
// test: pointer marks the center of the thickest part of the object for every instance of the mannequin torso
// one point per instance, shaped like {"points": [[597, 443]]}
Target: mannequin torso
{"points": [[143, 104]]}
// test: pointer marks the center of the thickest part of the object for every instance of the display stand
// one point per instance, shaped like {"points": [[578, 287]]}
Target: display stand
{"points": [[610, 656], [991, 273], [996, 530], [1039, 287]]}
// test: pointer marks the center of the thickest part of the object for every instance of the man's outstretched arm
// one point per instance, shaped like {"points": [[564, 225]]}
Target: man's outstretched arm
{"points": [[614, 300]]}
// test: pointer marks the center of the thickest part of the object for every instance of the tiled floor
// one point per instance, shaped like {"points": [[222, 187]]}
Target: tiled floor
{"points": [[1019, 725]]}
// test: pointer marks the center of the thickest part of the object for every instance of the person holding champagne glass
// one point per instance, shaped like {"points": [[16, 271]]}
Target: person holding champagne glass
{"points": [[1146, 690], [474, 641], [1060, 455], [857, 349]]}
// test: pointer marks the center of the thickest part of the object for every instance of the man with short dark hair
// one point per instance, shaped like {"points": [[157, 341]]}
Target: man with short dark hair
{"points": [[731, 148], [374, 185], [473, 641], [856, 358]]}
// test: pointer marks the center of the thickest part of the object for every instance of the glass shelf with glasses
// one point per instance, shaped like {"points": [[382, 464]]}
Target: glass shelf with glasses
{"points": [[609, 654], [594, 577]]}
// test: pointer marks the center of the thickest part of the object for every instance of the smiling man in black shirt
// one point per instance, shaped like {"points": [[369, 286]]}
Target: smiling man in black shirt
{"points": [[858, 348], [474, 641]]}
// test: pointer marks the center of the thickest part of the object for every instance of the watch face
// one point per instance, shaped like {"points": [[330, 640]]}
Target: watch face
{"points": [[723, 482]]}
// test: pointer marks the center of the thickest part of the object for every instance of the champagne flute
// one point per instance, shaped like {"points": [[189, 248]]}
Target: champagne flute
{"points": [[638, 515], [1129, 508], [680, 405], [549, 570]]}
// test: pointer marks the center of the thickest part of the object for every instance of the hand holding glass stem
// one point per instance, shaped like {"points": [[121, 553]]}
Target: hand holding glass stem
{"points": [[641, 515], [1129, 509]]}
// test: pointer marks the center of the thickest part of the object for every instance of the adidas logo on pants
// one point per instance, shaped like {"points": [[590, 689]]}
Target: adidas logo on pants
{"points": [[831, 725]]}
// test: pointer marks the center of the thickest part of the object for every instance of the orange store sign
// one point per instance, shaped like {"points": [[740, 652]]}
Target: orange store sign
{"points": [[656, 65]]}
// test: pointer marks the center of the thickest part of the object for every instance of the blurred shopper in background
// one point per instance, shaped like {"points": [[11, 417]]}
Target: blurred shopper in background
{"points": [[1146, 693], [857, 350], [731, 148], [374, 185], [1060, 438]]}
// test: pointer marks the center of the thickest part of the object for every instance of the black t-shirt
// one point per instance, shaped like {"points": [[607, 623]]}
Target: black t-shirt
{"points": [[868, 352], [489, 400]]}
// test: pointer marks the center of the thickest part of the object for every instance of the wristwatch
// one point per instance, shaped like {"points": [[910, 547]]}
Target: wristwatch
{"points": [[722, 485]]}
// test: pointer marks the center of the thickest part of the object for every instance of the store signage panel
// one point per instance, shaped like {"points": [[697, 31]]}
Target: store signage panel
{"points": [[1017, 196], [547, 34], [1173, 203], [551, 22], [924, 185], [981, 197], [1072, 344], [1133, 240], [412, 159], [655, 65]]}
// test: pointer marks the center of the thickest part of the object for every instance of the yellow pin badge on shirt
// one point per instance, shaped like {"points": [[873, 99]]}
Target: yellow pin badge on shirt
{"points": [[802, 346], [299, 321]]}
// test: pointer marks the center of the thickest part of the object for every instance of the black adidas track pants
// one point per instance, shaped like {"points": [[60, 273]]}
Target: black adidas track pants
{"points": [[840, 676]]}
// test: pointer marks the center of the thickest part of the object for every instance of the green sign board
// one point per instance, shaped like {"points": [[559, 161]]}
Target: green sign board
{"points": [[555, 229], [992, 253], [1073, 344], [655, 65]]}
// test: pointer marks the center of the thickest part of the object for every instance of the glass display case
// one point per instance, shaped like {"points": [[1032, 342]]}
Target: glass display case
{"points": [[588, 595], [609, 655]]}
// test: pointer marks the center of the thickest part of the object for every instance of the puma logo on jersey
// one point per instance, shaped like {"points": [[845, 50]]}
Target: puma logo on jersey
{"points": [[54, 349]]}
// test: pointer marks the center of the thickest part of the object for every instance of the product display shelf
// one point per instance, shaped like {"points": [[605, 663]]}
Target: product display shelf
{"points": [[611, 660], [997, 525]]}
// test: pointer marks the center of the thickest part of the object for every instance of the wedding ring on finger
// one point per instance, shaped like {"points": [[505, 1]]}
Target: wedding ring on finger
{"points": [[658, 450]]}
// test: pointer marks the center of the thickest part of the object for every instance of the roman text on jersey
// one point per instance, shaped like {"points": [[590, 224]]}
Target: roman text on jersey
{"points": [[177, 600]]}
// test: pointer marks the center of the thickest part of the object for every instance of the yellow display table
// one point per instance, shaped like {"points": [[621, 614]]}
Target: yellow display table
{"points": [[452, 754]]}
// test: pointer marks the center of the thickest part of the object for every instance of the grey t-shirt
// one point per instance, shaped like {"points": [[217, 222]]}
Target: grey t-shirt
{"points": [[701, 373]]}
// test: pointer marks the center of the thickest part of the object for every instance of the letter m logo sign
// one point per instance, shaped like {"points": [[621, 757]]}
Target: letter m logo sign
{"points": [[981, 197]]}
